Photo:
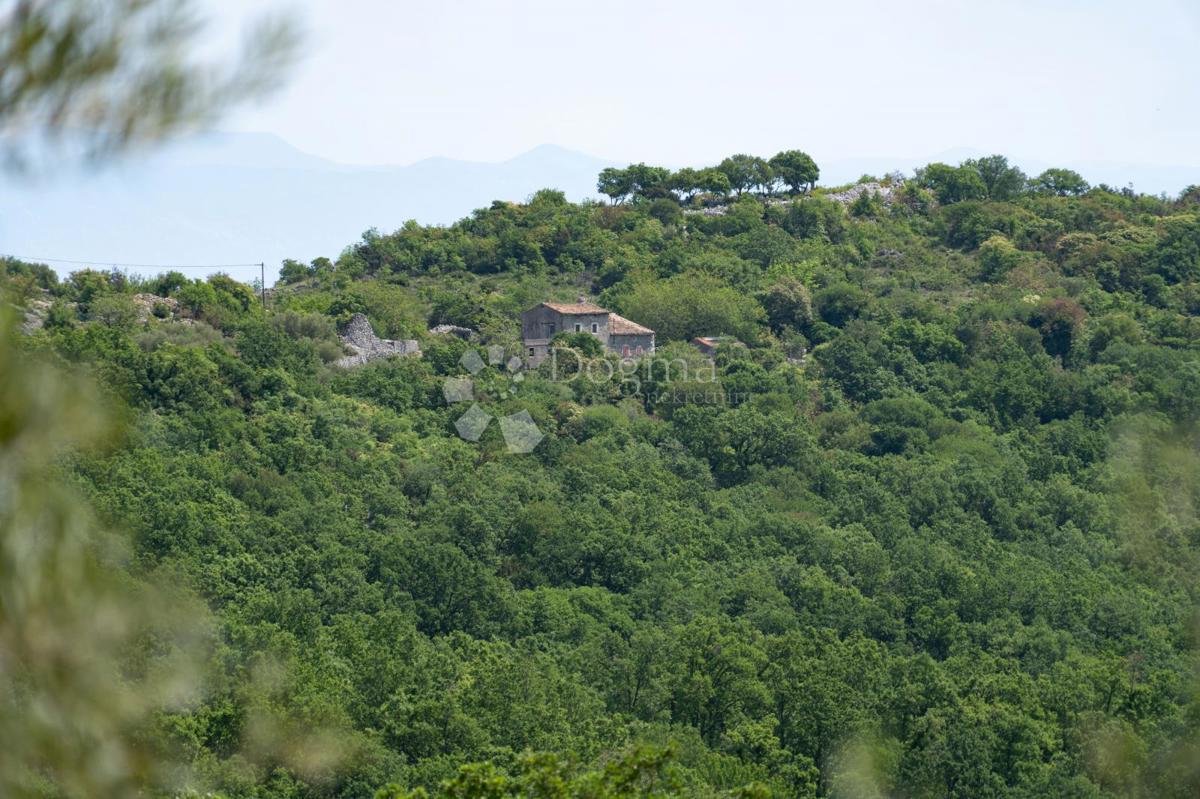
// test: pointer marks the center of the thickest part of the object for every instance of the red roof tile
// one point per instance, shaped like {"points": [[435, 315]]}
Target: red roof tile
{"points": [[622, 326]]}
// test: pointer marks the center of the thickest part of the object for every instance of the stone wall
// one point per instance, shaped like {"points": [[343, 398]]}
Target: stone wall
{"points": [[365, 346], [626, 344]]}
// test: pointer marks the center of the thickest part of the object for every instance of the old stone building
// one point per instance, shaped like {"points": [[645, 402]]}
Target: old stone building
{"points": [[540, 324], [365, 346]]}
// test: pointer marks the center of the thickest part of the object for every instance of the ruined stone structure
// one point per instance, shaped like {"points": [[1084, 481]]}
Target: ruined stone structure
{"points": [[365, 346]]}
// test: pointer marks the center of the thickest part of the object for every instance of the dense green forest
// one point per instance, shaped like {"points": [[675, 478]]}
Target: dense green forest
{"points": [[932, 530]]}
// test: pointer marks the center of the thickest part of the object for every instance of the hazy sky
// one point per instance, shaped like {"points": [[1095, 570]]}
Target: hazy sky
{"points": [[689, 82]]}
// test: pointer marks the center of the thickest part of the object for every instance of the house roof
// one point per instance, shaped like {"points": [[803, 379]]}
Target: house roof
{"points": [[574, 308], [619, 325], [717, 341]]}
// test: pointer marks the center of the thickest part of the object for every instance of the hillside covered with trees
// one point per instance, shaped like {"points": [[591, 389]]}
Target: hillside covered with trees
{"points": [[931, 530]]}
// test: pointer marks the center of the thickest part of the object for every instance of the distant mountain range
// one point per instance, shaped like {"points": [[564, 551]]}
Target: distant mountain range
{"points": [[241, 198]]}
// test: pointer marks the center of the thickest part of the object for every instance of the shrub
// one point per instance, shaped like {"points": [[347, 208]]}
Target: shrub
{"points": [[114, 310], [841, 302], [997, 256], [686, 306], [585, 343]]}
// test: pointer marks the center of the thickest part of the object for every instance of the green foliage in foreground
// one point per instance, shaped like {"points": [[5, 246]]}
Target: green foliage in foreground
{"points": [[934, 530], [641, 773]]}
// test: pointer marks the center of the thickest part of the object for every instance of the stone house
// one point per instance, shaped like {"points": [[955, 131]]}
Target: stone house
{"points": [[541, 323]]}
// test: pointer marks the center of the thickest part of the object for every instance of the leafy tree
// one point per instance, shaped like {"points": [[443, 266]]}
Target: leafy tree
{"points": [[1060, 182], [23, 278], [293, 271], [86, 286], [643, 773], [952, 184], [815, 218], [1061, 323], [745, 172], [899, 424], [1002, 181], [690, 182], [665, 210], [649, 181], [796, 169], [841, 302], [685, 306], [1178, 251], [635, 180], [714, 181], [60, 316], [867, 205], [114, 310], [585, 343], [788, 304], [857, 365], [717, 678], [686, 181], [998, 256], [617, 184], [167, 284], [1116, 327]]}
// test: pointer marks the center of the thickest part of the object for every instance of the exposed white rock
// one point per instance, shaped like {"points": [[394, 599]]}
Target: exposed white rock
{"points": [[886, 192], [35, 315], [464, 333], [146, 303]]}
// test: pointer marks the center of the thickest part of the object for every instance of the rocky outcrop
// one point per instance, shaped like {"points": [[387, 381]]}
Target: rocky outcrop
{"points": [[465, 333], [886, 192], [708, 210], [365, 346], [153, 305], [35, 315]]}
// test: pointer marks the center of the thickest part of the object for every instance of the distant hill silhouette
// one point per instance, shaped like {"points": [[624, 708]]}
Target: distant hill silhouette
{"points": [[246, 197], [236, 198]]}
